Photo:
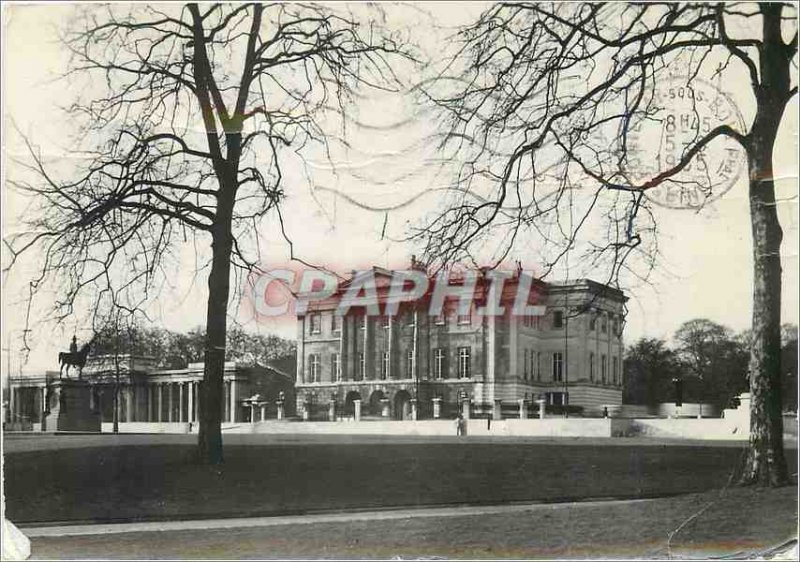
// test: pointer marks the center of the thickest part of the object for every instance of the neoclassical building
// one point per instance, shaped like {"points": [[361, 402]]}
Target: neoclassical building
{"points": [[151, 394], [414, 365]]}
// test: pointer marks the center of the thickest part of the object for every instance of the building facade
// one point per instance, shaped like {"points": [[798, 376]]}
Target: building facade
{"points": [[413, 365], [151, 394]]}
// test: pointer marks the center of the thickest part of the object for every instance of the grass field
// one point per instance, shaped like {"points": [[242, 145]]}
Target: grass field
{"points": [[154, 477], [737, 523]]}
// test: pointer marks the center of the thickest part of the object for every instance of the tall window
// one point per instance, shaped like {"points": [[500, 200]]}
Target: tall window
{"points": [[336, 367], [362, 322], [603, 367], [385, 322], [558, 366], [538, 365], [591, 366], [438, 363], [592, 322], [362, 366], [315, 323], [604, 323], [336, 323], [525, 360], [464, 367], [464, 319], [314, 368], [614, 369], [441, 318], [385, 366], [558, 319]]}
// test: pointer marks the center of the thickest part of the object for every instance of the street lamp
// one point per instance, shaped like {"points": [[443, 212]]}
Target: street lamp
{"points": [[678, 382]]}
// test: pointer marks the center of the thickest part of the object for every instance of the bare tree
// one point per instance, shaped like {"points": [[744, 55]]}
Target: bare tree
{"points": [[189, 115], [561, 118]]}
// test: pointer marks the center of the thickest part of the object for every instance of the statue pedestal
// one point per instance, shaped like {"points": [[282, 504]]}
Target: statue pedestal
{"points": [[70, 407]]}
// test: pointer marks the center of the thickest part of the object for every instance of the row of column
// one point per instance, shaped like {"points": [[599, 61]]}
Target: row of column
{"points": [[158, 395], [161, 393], [180, 399], [32, 408]]}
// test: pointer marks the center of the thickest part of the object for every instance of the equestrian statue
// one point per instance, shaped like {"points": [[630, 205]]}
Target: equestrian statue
{"points": [[73, 357]]}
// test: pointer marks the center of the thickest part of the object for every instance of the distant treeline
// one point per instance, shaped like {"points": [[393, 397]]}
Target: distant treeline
{"points": [[711, 359], [176, 349]]}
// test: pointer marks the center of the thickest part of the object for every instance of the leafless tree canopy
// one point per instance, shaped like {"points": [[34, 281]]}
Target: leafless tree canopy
{"points": [[175, 137], [550, 108]]}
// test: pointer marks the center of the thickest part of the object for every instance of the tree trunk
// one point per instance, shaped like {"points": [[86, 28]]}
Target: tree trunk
{"points": [[765, 463], [210, 434]]}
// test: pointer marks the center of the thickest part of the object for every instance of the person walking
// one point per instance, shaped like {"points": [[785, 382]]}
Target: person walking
{"points": [[461, 425]]}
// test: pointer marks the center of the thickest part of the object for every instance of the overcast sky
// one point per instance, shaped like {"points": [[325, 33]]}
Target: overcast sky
{"points": [[705, 265]]}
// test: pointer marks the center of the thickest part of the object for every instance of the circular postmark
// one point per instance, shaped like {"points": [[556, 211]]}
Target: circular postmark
{"points": [[684, 111]]}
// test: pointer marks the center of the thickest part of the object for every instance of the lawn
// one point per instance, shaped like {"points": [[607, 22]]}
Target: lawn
{"points": [[732, 522], [152, 478]]}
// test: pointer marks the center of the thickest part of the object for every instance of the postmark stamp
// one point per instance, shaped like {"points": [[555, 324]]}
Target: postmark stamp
{"points": [[685, 110]]}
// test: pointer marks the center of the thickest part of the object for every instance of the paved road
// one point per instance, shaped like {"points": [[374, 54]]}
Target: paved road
{"points": [[23, 442]]}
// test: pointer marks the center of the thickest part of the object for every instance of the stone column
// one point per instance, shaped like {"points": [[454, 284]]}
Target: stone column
{"points": [[252, 412], [366, 348], [190, 401], [149, 388], [44, 405], [233, 401], [465, 409], [198, 401], [540, 402], [385, 407], [180, 401], [523, 409], [437, 408], [263, 411], [226, 401], [390, 348], [357, 409], [129, 403], [170, 402], [160, 401], [497, 412]]}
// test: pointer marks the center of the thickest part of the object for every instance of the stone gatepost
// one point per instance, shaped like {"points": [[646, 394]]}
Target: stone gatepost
{"points": [[279, 403], [523, 409], [465, 408], [306, 410], [332, 410], [263, 411], [540, 402], [384, 407], [357, 409], [497, 412], [414, 409], [437, 408]]}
